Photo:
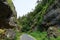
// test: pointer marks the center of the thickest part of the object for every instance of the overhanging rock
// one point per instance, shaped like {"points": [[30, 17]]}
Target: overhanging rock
{"points": [[7, 15]]}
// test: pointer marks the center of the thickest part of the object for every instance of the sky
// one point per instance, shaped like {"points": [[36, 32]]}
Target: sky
{"points": [[24, 6]]}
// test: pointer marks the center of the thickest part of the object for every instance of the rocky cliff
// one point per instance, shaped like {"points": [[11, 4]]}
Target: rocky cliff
{"points": [[51, 20], [7, 14], [52, 16], [7, 20]]}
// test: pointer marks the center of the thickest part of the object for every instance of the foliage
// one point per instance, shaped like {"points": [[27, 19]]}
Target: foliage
{"points": [[2, 31], [39, 35], [42, 36], [33, 19], [17, 36], [10, 3]]}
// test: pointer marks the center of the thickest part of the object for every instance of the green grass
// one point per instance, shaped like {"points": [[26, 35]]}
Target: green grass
{"points": [[42, 36], [39, 35], [17, 36]]}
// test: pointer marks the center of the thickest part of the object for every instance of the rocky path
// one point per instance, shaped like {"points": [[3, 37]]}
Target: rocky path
{"points": [[26, 37]]}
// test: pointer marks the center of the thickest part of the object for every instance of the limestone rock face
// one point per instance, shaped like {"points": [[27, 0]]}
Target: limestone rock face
{"points": [[7, 19], [52, 19], [52, 16], [53, 32], [7, 14], [10, 33]]}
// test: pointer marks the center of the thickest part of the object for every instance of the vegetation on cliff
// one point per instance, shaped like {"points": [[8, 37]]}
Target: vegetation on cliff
{"points": [[32, 22], [33, 19], [7, 20]]}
